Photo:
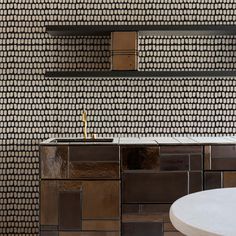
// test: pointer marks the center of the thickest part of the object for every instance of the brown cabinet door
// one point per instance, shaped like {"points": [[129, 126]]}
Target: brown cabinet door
{"points": [[222, 157], [54, 161], [70, 210], [154, 187], [94, 161], [213, 179], [101, 199], [162, 158], [181, 157], [49, 203], [80, 205], [140, 158]]}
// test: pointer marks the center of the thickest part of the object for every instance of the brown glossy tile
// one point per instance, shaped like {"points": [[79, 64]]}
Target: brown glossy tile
{"points": [[54, 161], [137, 158], [143, 217], [195, 181], [229, 179], [70, 185], [48, 233], [223, 151], [213, 179], [154, 187], [180, 149], [125, 61], [69, 233], [49, 203], [196, 162], [130, 208], [88, 170], [70, 210], [207, 157], [90, 153], [155, 208], [124, 41], [101, 225], [174, 162], [142, 229], [49, 227], [223, 163], [101, 199]]}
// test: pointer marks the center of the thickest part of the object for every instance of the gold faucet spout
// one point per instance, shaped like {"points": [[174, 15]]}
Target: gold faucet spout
{"points": [[84, 119]]}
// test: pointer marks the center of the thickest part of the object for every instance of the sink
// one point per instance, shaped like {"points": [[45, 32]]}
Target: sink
{"points": [[81, 140]]}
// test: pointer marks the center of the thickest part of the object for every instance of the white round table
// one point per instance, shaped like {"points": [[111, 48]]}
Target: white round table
{"points": [[206, 213]]}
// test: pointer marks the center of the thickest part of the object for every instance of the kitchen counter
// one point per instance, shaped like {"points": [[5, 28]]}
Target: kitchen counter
{"points": [[191, 140]]}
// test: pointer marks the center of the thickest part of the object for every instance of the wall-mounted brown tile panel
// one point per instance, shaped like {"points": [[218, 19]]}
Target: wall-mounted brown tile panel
{"points": [[101, 225], [98, 153], [105, 170], [154, 187], [124, 51], [54, 161], [142, 229], [125, 61], [101, 199], [212, 179], [229, 179], [137, 158], [123, 41], [195, 181], [70, 210], [174, 162], [49, 202], [180, 149]]}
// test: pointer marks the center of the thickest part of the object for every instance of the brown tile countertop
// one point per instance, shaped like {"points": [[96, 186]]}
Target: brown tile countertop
{"points": [[188, 140]]}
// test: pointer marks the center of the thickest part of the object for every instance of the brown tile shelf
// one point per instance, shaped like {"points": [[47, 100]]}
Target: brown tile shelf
{"points": [[158, 74], [96, 30]]}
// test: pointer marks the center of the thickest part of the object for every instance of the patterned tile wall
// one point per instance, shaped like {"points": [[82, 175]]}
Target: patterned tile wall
{"points": [[34, 108]]}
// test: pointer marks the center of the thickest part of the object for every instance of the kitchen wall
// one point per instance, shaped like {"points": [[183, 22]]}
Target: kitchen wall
{"points": [[34, 108]]}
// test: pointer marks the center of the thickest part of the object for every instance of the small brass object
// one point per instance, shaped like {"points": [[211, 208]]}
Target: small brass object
{"points": [[84, 119]]}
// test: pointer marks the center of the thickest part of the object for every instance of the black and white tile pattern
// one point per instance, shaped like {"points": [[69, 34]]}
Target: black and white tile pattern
{"points": [[34, 108]]}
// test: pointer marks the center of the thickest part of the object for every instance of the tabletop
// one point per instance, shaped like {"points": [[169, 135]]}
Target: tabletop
{"points": [[206, 213]]}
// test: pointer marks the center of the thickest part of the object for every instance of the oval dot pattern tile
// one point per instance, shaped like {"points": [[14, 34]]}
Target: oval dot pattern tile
{"points": [[34, 108]]}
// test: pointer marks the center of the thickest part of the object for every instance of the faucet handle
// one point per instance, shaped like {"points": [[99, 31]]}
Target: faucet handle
{"points": [[84, 116]]}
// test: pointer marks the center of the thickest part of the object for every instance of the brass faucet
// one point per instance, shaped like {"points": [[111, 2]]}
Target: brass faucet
{"points": [[84, 119]]}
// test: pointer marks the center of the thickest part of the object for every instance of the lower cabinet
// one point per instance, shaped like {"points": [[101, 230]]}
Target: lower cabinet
{"points": [[153, 177], [81, 194], [80, 208]]}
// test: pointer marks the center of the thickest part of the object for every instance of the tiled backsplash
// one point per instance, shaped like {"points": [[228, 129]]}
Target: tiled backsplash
{"points": [[34, 108]]}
